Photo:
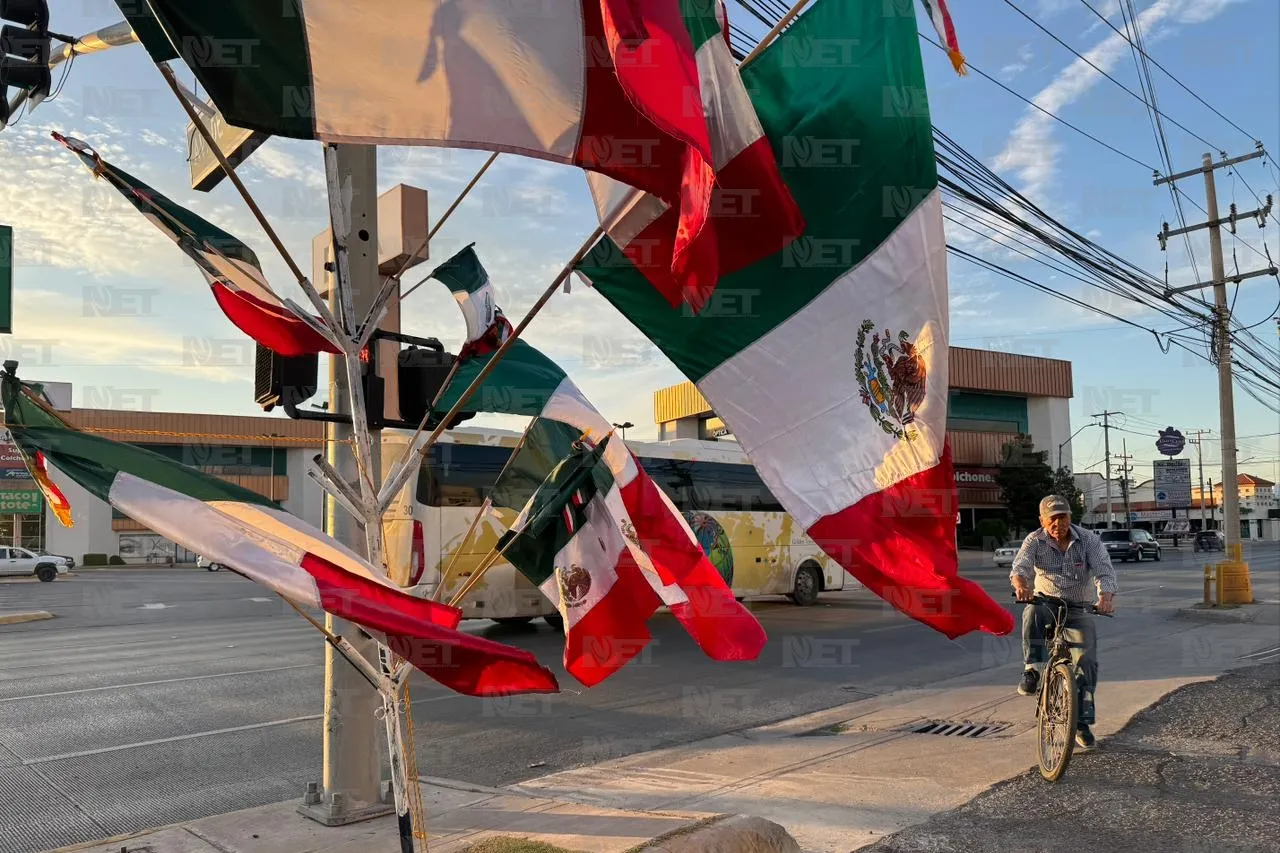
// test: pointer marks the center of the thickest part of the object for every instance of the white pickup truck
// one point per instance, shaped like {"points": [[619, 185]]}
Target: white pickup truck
{"points": [[23, 561]]}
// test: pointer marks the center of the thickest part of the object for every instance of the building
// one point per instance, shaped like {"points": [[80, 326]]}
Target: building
{"points": [[994, 396], [1259, 507], [268, 455]]}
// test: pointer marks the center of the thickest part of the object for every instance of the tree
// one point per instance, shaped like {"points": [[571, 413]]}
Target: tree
{"points": [[1024, 478], [1064, 484]]}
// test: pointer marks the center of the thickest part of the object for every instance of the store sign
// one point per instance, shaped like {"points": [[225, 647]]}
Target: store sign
{"points": [[10, 457], [1151, 515], [976, 478], [1171, 442], [21, 501], [1172, 482]]}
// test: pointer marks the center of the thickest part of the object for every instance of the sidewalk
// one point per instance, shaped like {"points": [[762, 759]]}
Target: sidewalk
{"points": [[836, 780]]}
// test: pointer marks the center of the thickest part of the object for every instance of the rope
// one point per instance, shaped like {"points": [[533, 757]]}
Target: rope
{"points": [[409, 759]]}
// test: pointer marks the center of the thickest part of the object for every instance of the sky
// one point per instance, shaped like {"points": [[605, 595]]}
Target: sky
{"points": [[104, 301]]}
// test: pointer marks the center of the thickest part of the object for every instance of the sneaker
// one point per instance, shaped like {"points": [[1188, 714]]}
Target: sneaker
{"points": [[1030, 682], [1084, 738]]}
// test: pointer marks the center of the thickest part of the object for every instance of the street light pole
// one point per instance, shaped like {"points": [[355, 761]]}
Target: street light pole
{"points": [[1068, 441]]}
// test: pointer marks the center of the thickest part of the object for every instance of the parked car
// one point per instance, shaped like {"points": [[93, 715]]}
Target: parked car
{"points": [[1004, 555], [24, 561], [71, 561], [1209, 540], [1126, 545], [205, 564]]}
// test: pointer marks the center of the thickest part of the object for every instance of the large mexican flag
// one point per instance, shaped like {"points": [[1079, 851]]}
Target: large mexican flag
{"points": [[828, 359]]}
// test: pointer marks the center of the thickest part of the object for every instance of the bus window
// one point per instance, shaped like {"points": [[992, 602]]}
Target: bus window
{"points": [[459, 474], [711, 486]]}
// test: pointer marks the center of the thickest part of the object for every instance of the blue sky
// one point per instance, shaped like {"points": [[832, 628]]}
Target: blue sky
{"points": [[80, 251]]}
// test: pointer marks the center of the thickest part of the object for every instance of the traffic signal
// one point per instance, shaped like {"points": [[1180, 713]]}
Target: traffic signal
{"points": [[284, 380], [422, 371], [24, 52]]}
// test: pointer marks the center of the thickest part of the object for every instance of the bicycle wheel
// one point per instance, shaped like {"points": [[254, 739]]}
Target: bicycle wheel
{"points": [[1059, 714]]}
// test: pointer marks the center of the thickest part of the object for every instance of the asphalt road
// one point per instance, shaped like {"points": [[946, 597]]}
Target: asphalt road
{"points": [[164, 695]]}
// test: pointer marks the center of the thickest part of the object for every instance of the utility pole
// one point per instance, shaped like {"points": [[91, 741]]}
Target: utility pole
{"points": [[1200, 462], [1124, 481], [352, 771], [1106, 440], [1222, 325]]}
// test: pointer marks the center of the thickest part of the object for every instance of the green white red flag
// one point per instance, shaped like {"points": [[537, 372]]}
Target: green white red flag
{"points": [[828, 360]]}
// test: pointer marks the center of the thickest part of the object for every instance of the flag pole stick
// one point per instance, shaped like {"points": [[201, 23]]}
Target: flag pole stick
{"points": [[341, 644], [198, 122], [439, 222], [401, 476]]}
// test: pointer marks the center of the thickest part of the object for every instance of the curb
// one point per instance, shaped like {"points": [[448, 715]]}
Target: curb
{"points": [[30, 616], [724, 834], [1225, 613]]}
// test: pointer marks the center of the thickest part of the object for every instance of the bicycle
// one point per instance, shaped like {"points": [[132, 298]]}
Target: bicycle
{"points": [[1058, 703]]}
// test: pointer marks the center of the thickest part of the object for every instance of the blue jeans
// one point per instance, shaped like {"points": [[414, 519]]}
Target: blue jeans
{"points": [[1080, 636]]}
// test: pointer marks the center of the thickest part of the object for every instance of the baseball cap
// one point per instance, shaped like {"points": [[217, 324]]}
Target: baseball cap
{"points": [[1054, 505]]}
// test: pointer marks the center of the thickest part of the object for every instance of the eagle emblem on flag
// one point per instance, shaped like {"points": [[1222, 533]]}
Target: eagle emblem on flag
{"points": [[891, 373], [575, 584]]}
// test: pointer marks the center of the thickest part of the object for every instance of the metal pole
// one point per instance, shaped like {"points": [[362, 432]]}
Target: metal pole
{"points": [[352, 775], [1200, 463], [1106, 438], [1226, 393]]}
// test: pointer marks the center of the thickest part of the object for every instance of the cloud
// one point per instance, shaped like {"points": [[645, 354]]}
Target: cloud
{"points": [[1013, 69], [1032, 151]]}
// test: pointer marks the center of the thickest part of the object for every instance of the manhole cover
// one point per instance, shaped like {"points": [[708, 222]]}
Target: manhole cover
{"points": [[952, 728]]}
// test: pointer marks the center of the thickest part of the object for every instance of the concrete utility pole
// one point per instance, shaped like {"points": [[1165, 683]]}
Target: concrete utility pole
{"points": [[1124, 481], [1200, 462], [352, 738], [1222, 324], [1106, 440]]}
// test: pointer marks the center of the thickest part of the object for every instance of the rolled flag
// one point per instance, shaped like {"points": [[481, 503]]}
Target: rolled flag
{"points": [[941, 18], [249, 534], [38, 466], [833, 377], [229, 266], [469, 283]]}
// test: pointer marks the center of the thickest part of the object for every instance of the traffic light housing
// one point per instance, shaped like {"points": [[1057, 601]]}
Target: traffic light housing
{"points": [[422, 371], [24, 52], [284, 380]]}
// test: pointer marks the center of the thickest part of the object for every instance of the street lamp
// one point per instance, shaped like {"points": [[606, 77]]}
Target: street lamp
{"points": [[623, 426], [1073, 435]]}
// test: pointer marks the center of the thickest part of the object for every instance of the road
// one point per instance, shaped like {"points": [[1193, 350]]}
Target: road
{"points": [[164, 695]]}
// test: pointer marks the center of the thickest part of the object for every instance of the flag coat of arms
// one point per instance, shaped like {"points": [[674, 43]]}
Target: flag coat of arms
{"points": [[830, 361], [642, 92], [662, 563], [249, 534]]}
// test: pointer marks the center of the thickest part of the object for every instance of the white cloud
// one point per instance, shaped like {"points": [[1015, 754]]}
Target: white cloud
{"points": [[1013, 69]]}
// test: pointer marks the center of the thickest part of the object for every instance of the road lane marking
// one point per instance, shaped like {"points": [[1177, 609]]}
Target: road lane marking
{"points": [[153, 607], [160, 681], [175, 739], [887, 628]]}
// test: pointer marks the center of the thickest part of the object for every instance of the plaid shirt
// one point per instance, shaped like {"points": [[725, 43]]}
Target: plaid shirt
{"points": [[1065, 574]]}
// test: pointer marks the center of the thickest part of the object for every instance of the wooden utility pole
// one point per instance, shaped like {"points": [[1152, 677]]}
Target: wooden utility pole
{"points": [[1106, 440]]}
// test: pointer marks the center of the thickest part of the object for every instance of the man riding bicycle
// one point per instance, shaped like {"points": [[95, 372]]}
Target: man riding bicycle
{"points": [[1058, 560]]}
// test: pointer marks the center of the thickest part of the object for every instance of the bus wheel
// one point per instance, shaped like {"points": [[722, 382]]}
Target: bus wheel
{"points": [[555, 620], [807, 585], [514, 620]]}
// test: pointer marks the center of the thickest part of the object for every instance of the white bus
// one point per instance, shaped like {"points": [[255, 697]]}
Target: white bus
{"points": [[757, 547]]}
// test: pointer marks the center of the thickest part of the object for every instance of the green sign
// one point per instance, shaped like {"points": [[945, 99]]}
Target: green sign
{"points": [[21, 501], [6, 280]]}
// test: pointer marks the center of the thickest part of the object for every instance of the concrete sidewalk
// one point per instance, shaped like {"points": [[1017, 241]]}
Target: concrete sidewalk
{"points": [[836, 780]]}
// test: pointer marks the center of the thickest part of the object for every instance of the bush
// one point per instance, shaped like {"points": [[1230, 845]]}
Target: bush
{"points": [[116, 560], [94, 560]]}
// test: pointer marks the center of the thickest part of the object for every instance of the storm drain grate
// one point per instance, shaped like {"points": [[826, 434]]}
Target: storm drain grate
{"points": [[950, 728]]}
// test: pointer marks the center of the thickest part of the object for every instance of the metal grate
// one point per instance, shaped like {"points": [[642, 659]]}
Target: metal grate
{"points": [[951, 728]]}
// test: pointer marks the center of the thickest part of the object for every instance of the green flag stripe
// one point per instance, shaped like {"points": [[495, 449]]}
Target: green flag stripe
{"points": [[521, 384], [854, 143], [148, 30], [462, 273], [701, 21], [271, 37], [544, 533]]}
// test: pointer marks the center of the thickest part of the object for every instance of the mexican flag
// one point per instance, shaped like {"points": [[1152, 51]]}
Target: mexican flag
{"points": [[229, 266], [567, 542], [828, 360], [251, 535], [669, 566], [645, 94]]}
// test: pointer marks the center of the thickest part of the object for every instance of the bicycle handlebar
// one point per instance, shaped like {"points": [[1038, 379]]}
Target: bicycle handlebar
{"points": [[1042, 598]]}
